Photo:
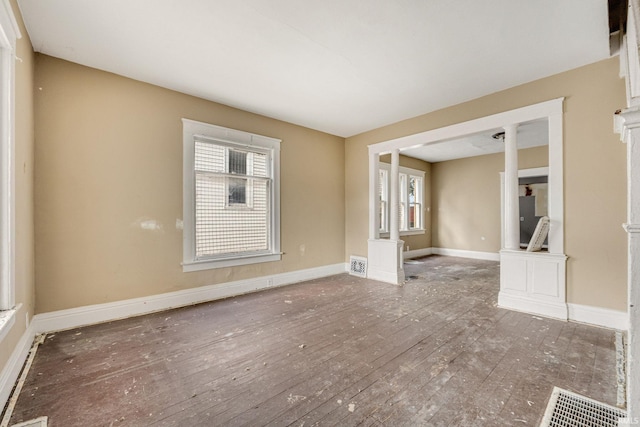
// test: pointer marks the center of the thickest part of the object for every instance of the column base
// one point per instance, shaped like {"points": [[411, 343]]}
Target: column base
{"points": [[533, 282], [386, 261]]}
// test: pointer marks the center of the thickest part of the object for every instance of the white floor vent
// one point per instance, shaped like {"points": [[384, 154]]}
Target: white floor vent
{"points": [[358, 266], [567, 409]]}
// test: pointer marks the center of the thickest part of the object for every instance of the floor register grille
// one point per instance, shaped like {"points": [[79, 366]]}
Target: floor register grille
{"points": [[567, 409], [38, 422]]}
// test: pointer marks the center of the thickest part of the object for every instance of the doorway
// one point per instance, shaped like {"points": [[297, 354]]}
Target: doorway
{"points": [[531, 282]]}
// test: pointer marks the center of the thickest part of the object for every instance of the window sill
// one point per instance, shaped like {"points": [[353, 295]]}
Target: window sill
{"points": [[7, 319], [405, 232], [210, 264]]}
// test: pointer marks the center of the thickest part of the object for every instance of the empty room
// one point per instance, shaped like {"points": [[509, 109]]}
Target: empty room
{"points": [[407, 213]]}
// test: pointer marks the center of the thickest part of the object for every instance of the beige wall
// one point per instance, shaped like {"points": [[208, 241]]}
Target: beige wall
{"points": [[24, 272], [594, 181], [109, 155], [466, 199]]}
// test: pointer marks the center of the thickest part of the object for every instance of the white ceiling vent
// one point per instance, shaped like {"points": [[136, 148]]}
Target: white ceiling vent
{"points": [[358, 266], [567, 409]]}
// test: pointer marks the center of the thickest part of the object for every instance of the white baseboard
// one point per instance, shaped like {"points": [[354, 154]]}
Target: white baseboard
{"points": [[417, 253], [12, 368], [98, 313], [552, 309], [385, 276], [489, 256], [598, 316]]}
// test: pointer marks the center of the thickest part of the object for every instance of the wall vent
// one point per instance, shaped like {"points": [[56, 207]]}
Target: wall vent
{"points": [[358, 266], [567, 409]]}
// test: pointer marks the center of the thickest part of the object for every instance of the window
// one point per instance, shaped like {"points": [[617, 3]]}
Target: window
{"points": [[231, 197], [411, 199]]}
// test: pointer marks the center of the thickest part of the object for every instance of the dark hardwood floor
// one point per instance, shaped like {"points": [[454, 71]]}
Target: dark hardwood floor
{"points": [[336, 351]]}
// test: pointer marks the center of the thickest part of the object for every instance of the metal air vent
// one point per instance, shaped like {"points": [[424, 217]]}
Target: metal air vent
{"points": [[567, 409], [358, 266]]}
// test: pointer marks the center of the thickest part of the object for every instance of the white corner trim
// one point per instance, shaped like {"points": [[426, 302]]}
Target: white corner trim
{"points": [[488, 256], [98, 313], [12, 368], [598, 316], [417, 253], [9, 23]]}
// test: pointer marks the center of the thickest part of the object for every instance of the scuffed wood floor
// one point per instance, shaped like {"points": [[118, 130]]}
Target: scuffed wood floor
{"points": [[337, 351]]}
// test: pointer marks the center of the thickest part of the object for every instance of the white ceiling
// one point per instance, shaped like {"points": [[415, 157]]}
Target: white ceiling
{"points": [[339, 66], [530, 134]]}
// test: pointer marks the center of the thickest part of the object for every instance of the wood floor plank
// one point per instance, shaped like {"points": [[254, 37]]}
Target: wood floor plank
{"points": [[339, 351]]}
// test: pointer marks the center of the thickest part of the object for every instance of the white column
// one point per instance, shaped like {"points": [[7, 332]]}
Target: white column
{"points": [[511, 199], [394, 197], [384, 255], [628, 124]]}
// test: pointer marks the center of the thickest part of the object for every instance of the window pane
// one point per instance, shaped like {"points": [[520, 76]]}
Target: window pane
{"points": [[237, 162], [220, 230], [412, 216], [403, 201], [415, 200], [232, 214], [237, 188], [209, 157], [412, 189]]}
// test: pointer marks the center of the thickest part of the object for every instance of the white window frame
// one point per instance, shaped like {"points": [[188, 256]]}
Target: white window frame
{"points": [[9, 33], [193, 129], [404, 198]]}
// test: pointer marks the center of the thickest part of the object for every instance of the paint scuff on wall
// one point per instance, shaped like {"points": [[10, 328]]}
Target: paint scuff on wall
{"points": [[147, 223]]}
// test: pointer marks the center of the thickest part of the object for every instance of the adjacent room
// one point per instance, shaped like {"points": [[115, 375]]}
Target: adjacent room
{"points": [[335, 213]]}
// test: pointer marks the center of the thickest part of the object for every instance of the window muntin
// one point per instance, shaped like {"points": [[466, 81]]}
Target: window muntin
{"points": [[231, 194]]}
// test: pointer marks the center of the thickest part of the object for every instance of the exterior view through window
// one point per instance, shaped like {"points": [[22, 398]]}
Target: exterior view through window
{"points": [[231, 199]]}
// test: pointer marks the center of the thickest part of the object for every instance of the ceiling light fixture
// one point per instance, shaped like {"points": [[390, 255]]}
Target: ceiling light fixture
{"points": [[499, 135]]}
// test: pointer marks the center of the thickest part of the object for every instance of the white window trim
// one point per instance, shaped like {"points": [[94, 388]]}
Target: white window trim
{"points": [[193, 128], [9, 33], [408, 172]]}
